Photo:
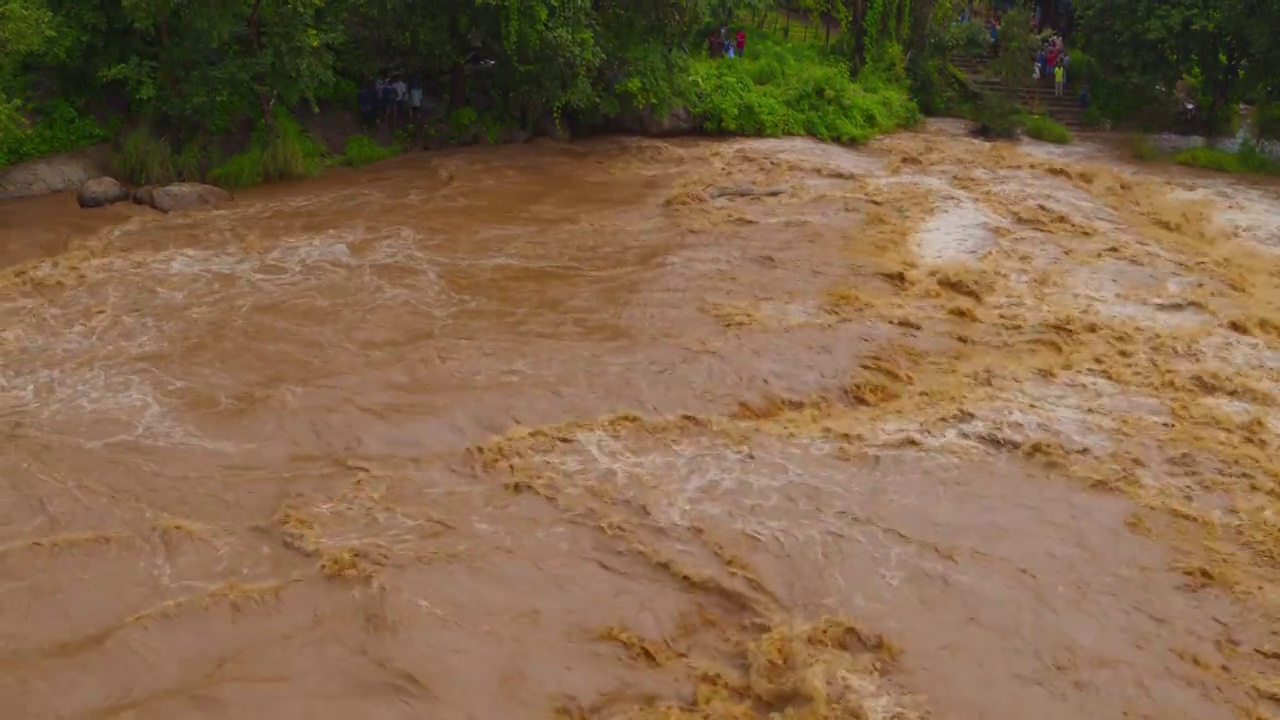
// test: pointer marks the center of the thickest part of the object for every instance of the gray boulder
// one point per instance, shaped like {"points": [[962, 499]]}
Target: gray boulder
{"points": [[59, 173], [142, 195], [101, 192], [187, 196]]}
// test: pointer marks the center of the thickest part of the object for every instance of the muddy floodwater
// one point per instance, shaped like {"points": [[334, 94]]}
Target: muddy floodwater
{"points": [[639, 429]]}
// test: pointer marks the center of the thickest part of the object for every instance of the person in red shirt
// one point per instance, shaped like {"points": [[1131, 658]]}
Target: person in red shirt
{"points": [[741, 41]]}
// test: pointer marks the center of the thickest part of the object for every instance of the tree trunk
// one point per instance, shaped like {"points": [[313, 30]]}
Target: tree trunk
{"points": [[255, 31], [457, 86]]}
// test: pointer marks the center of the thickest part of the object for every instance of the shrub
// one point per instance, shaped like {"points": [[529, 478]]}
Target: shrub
{"points": [[783, 88], [1254, 160], [362, 150], [283, 151], [1092, 118], [997, 117], [1046, 129], [1267, 121], [936, 86], [969, 38], [58, 128], [1084, 68]]}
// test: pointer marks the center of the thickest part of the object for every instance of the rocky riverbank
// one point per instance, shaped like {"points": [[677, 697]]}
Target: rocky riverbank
{"points": [[92, 172]]}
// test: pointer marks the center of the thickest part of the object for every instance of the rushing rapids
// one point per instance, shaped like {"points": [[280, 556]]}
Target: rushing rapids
{"points": [[643, 429]]}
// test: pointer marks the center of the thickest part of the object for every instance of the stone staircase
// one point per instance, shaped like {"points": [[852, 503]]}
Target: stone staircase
{"points": [[1038, 97]]}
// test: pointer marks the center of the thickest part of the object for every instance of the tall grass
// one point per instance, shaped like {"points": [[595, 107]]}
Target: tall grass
{"points": [[146, 158], [362, 150], [281, 151], [791, 88]]}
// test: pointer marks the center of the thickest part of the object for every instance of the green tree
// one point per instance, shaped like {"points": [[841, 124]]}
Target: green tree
{"points": [[1229, 46], [205, 65], [26, 31]]}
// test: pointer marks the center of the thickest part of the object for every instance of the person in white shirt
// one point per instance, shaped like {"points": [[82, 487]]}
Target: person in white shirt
{"points": [[415, 99]]}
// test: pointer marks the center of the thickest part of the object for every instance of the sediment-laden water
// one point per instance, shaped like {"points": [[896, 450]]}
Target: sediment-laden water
{"points": [[645, 429]]}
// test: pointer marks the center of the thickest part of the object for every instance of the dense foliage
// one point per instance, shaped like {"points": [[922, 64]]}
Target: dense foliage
{"points": [[178, 78], [1221, 51], [217, 88], [789, 89]]}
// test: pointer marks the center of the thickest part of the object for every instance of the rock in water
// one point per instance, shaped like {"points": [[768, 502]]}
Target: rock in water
{"points": [[142, 195], [59, 173], [100, 192], [187, 196]]}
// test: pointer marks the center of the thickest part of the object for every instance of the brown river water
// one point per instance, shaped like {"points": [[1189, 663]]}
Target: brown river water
{"points": [[635, 429]]}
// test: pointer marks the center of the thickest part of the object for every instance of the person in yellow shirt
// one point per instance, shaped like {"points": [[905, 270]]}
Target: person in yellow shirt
{"points": [[1059, 78]]}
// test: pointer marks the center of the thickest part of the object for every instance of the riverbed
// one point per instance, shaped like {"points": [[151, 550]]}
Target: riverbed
{"points": [[637, 428]]}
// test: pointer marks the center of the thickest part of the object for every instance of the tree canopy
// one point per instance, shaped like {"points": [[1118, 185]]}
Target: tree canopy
{"points": [[1228, 49]]}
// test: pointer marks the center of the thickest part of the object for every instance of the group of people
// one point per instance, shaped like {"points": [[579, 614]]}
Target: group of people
{"points": [[1052, 61], [725, 44], [390, 100]]}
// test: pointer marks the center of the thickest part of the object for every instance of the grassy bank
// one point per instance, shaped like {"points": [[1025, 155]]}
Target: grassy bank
{"points": [[1043, 128], [283, 151], [1247, 160]]}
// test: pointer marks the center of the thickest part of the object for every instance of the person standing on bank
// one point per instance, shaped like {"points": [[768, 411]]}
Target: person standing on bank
{"points": [[741, 41]]}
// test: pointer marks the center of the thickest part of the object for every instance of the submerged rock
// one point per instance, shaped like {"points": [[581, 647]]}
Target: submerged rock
{"points": [[186, 196], [100, 192]]}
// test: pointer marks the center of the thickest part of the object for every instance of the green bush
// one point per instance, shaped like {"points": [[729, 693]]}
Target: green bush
{"points": [[1267, 121], [283, 151], [1253, 160], [1092, 118], [783, 88], [1084, 68], [1046, 129], [58, 128], [362, 150], [655, 78], [970, 38], [998, 117], [936, 86], [1248, 159]]}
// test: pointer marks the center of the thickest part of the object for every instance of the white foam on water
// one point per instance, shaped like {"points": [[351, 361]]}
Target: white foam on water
{"points": [[960, 231], [98, 352]]}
